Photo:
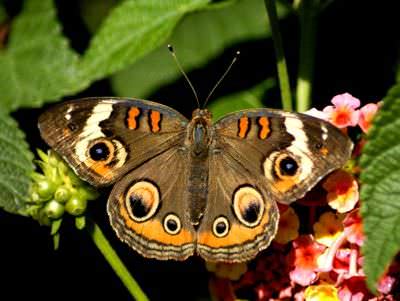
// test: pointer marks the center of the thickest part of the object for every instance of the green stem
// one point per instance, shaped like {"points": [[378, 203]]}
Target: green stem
{"points": [[115, 262], [280, 56], [307, 14]]}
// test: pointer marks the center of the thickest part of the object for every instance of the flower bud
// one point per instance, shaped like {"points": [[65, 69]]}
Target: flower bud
{"points": [[76, 205], [62, 194], [45, 189], [54, 209]]}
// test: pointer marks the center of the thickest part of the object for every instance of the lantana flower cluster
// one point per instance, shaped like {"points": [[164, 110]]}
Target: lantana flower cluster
{"points": [[316, 254]]}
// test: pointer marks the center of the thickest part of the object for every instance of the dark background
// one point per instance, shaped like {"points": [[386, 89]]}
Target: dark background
{"points": [[357, 52]]}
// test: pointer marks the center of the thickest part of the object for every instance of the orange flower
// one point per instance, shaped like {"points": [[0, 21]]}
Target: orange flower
{"points": [[342, 191], [304, 258], [288, 227], [328, 228], [343, 113], [322, 292], [367, 114]]}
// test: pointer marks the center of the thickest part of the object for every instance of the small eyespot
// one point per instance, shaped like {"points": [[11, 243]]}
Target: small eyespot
{"points": [[142, 201], [221, 226], [288, 166], [248, 206], [318, 145], [172, 224], [100, 151]]}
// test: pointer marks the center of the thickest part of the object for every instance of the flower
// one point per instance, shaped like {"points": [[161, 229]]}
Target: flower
{"points": [[353, 228], [322, 292], [288, 229], [342, 191], [343, 113], [367, 114], [304, 257], [354, 289], [327, 229]]}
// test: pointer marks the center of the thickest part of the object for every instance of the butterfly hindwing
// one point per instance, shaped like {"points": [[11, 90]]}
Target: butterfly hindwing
{"points": [[149, 208]]}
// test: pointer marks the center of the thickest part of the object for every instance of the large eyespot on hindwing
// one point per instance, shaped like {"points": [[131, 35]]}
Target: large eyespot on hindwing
{"points": [[248, 206], [142, 200], [221, 226], [172, 224]]}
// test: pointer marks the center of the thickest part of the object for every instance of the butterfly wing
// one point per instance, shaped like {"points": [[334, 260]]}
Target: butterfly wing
{"points": [[292, 152], [104, 138], [261, 157], [149, 207], [240, 218]]}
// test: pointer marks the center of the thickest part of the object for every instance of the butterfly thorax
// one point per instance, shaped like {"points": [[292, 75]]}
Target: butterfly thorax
{"points": [[199, 133]]}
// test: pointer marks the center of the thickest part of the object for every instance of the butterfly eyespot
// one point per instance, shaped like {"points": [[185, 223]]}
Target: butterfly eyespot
{"points": [[172, 224], [142, 200], [99, 151], [288, 166], [248, 206], [221, 226], [319, 145]]}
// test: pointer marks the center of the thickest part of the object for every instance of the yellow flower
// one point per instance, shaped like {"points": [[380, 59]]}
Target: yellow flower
{"points": [[231, 271], [342, 191], [322, 292], [328, 228], [288, 229]]}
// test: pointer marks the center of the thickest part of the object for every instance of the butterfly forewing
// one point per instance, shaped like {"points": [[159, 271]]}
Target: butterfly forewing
{"points": [[104, 138]]}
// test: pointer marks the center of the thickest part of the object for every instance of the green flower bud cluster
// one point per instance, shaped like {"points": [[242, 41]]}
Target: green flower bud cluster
{"points": [[55, 191]]}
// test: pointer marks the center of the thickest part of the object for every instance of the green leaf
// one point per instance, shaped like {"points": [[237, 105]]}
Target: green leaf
{"points": [[133, 29], [242, 100], [37, 65], [15, 165], [197, 39], [380, 193]]}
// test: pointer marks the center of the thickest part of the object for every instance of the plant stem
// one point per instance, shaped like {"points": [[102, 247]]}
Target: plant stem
{"points": [[307, 14], [115, 262], [280, 56]]}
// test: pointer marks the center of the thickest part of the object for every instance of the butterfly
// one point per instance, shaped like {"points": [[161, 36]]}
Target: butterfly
{"points": [[193, 186]]}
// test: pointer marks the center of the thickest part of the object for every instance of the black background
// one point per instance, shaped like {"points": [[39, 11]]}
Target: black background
{"points": [[357, 52]]}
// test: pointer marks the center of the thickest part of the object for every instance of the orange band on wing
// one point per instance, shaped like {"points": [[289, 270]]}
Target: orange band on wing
{"points": [[101, 168], [237, 235], [285, 184], [131, 120], [243, 127], [154, 230], [264, 130], [155, 118]]}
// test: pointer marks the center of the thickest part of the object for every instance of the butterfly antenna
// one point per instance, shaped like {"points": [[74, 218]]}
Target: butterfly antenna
{"points": [[222, 77], [171, 49]]}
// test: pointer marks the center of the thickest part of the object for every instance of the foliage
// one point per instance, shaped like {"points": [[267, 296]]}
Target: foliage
{"points": [[380, 191]]}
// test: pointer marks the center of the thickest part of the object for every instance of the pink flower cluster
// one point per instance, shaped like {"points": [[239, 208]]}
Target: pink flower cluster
{"points": [[345, 112], [316, 254]]}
